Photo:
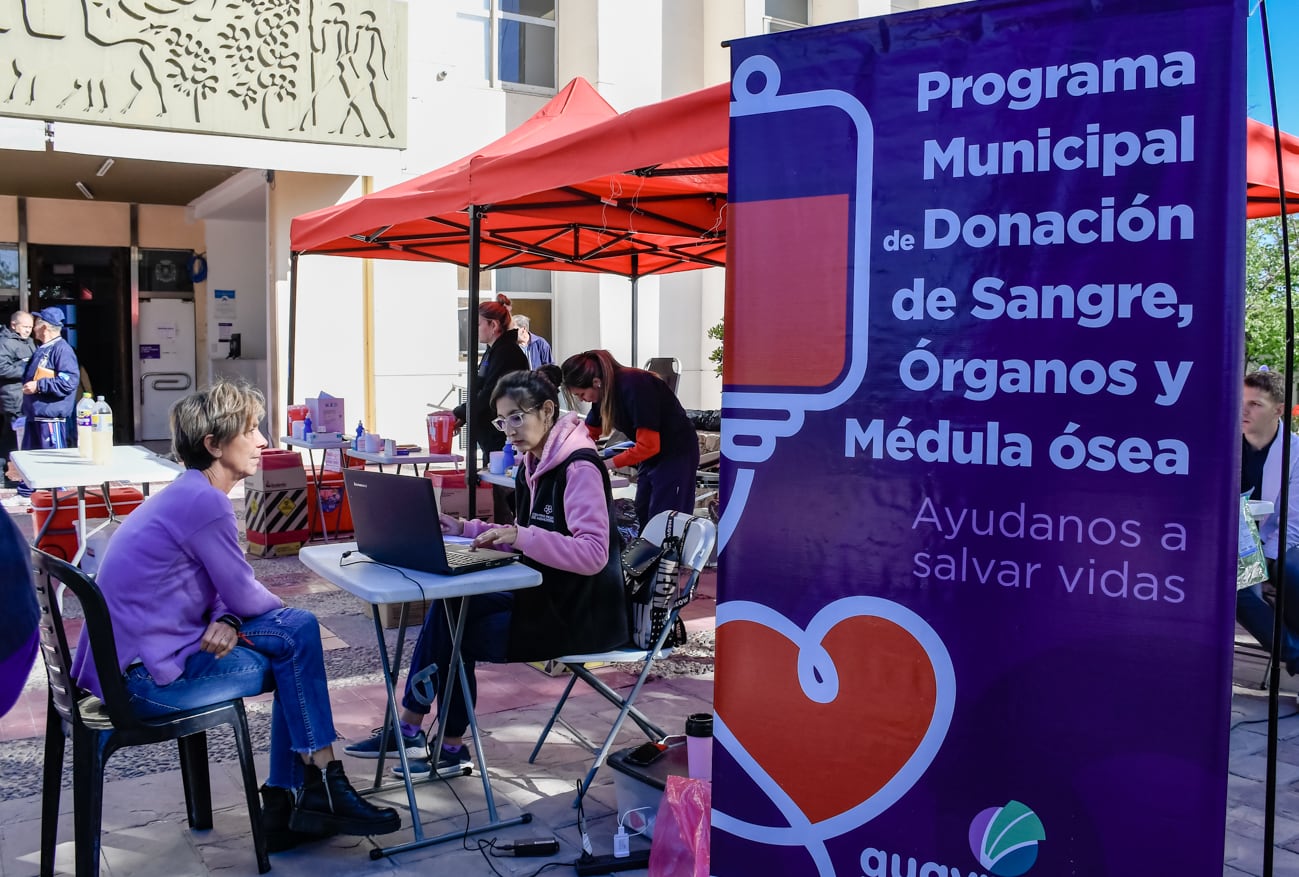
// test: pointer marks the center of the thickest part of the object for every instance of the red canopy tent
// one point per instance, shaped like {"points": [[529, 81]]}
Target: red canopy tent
{"points": [[577, 187], [1263, 189]]}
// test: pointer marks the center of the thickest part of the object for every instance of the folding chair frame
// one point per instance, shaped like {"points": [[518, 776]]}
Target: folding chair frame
{"points": [[577, 665]]}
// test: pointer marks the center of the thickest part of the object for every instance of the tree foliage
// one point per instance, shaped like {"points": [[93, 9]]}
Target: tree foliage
{"points": [[1265, 289], [716, 333]]}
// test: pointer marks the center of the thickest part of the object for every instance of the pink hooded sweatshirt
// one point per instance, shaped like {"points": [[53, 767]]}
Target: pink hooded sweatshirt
{"points": [[587, 550]]}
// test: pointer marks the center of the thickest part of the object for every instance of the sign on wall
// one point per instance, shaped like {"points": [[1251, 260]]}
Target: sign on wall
{"points": [[331, 71], [983, 368]]}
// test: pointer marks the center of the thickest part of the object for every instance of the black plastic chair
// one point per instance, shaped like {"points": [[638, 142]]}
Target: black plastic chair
{"points": [[666, 367], [100, 728]]}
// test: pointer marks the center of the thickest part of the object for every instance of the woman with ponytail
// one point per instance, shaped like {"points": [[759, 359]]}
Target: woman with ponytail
{"points": [[640, 405]]}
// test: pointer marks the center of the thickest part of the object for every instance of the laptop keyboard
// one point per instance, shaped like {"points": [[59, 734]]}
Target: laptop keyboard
{"points": [[461, 558]]}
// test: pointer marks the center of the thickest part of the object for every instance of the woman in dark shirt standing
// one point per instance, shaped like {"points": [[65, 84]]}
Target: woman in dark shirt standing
{"points": [[503, 355], [640, 405]]}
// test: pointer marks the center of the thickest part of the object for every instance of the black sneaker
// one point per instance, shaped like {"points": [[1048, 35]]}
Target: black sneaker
{"points": [[416, 745], [453, 763]]}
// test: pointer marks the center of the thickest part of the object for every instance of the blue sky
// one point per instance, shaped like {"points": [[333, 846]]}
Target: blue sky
{"points": [[1283, 27]]}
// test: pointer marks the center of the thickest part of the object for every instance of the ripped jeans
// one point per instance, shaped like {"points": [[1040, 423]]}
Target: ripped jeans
{"points": [[279, 651]]}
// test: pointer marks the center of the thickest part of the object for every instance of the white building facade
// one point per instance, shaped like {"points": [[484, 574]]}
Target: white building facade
{"points": [[150, 187]]}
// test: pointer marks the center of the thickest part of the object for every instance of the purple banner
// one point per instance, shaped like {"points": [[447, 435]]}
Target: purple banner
{"points": [[984, 351]]}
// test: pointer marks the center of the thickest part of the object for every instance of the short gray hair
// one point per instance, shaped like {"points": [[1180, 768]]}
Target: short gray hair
{"points": [[522, 322], [223, 411], [16, 315]]}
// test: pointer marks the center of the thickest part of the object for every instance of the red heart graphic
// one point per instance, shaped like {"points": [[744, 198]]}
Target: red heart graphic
{"points": [[827, 757]]}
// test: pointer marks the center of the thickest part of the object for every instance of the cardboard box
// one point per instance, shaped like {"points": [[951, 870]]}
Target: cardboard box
{"points": [[277, 521], [326, 414], [391, 615], [556, 668], [279, 470], [453, 496]]}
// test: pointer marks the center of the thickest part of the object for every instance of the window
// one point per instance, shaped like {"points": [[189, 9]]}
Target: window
{"points": [[523, 55], [526, 42], [782, 15], [528, 280], [8, 271]]}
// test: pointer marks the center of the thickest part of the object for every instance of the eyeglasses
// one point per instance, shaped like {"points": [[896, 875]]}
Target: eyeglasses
{"points": [[512, 421]]}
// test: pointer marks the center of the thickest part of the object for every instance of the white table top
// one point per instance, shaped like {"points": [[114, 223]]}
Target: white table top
{"points": [[65, 467], [508, 480], [398, 459], [379, 584], [315, 444]]}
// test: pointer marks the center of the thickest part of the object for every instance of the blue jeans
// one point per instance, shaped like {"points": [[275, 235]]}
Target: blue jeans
{"points": [[487, 633], [278, 651], [1256, 616]]}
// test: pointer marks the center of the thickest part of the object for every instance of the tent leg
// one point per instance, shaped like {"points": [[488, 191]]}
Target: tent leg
{"points": [[293, 322], [471, 379], [635, 308]]}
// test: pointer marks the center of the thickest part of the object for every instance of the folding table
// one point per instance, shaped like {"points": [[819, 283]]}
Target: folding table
{"points": [[65, 467], [318, 473], [378, 584], [381, 459]]}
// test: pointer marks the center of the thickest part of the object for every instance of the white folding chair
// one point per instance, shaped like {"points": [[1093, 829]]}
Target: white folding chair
{"points": [[701, 535]]}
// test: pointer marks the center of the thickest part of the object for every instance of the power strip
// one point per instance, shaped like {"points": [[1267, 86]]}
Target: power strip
{"points": [[591, 865]]}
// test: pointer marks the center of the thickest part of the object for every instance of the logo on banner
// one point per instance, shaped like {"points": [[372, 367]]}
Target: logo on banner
{"points": [[865, 668], [1004, 839]]}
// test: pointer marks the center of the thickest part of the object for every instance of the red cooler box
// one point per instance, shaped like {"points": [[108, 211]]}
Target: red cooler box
{"points": [[333, 498], [61, 537]]}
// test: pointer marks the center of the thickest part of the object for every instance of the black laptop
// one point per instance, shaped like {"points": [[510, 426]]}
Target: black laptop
{"points": [[396, 522]]}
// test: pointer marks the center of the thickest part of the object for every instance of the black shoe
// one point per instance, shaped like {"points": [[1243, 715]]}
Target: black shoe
{"points": [[277, 807], [327, 802]]}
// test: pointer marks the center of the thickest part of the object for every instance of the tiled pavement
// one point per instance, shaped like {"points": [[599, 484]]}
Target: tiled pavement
{"points": [[145, 833]]}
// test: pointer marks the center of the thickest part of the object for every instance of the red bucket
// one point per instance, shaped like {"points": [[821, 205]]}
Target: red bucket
{"points": [[441, 427]]}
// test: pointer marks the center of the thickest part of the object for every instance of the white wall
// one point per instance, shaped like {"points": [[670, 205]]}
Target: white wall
{"points": [[236, 259]]}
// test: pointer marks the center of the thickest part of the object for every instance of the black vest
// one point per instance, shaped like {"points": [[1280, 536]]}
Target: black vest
{"points": [[569, 613]]}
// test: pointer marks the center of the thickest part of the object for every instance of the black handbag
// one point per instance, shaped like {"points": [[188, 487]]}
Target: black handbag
{"points": [[651, 575]]}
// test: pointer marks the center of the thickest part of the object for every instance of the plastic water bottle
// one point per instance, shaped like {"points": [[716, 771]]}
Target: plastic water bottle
{"points": [[359, 443], [102, 439], [508, 459], [307, 432], [85, 425]]}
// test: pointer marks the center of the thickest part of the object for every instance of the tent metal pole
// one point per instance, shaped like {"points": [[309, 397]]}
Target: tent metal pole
{"points": [[635, 308], [471, 379], [293, 323]]}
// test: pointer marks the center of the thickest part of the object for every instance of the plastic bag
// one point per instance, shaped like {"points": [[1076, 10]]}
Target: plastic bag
{"points": [[680, 846], [1251, 568]]}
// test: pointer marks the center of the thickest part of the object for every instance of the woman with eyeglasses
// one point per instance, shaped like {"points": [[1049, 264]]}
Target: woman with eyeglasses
{"points": [[565, 530], [640, 405]]}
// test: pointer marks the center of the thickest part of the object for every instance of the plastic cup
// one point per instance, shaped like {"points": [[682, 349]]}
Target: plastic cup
{"points": [[373, 443], [441, 429], [496, 462], [699, 745]]}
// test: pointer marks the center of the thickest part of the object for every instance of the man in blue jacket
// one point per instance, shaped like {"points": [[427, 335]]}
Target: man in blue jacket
{"points": [[49, 389]]}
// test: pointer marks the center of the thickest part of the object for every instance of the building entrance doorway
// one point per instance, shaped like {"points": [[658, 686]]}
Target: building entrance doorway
{"points": [[92, 286]]}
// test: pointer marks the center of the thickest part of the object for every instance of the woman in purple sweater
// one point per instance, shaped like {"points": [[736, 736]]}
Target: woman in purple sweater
{"points": [[565, 530], [194, 626]]}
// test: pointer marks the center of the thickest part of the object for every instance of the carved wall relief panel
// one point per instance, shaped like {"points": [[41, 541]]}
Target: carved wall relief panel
{"points": [[330, 71]]}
